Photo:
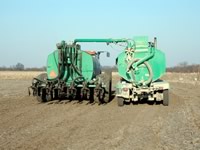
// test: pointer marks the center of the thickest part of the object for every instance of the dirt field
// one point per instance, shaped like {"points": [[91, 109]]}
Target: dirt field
{"points": [[26, 124]]}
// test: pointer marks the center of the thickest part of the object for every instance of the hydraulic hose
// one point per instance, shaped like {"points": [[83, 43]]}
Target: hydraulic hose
{"points": [[152, 53], [149, 70], [75, 67], [72, 65]]}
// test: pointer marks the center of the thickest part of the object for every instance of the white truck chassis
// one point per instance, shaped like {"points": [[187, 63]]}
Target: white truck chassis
{"points": [[157, 91]]}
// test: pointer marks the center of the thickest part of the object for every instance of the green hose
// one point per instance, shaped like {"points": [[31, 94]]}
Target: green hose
{"points": [[147, 82]]}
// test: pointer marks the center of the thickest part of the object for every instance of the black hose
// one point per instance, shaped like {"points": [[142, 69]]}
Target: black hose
{"points": [[75, 67]]}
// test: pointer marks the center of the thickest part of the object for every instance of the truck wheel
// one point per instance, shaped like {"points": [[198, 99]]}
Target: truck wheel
{"points": [[166, 97], [120, 101], [107, 80]]}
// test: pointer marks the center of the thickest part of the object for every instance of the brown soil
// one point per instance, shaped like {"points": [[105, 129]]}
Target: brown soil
{"points": [[26, 124]]}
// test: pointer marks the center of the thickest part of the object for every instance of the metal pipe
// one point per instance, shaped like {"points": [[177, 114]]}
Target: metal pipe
{"points": [[155, 42], [101, 40], [152, 52]]}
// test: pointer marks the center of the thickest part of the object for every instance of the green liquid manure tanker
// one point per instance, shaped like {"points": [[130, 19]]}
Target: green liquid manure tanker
{"points": [[76, 74]]}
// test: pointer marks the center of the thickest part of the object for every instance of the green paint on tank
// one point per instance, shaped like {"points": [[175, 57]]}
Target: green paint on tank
{"points": [[141, 73], [88, 64]]}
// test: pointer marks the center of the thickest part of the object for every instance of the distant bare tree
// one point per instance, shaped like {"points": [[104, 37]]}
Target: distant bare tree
{"points": [[19, 66], [184, 67]]}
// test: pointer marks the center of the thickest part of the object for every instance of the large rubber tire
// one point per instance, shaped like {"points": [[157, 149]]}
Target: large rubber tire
{"points": [[166, 97], [107, 79], [120, 101]]}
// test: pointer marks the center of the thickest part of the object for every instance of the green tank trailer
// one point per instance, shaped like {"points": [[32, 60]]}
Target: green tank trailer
{"points": [[76, 74], [73, 74], [140, 66]]}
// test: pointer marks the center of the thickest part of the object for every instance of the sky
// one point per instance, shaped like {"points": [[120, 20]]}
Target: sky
{"points": [[30, 29]]}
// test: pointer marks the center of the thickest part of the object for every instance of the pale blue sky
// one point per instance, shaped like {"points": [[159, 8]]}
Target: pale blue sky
{"points": [[30, 29]]}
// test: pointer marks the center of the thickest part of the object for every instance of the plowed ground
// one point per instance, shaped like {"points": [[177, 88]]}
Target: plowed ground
{"points": [[26, 124]]}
